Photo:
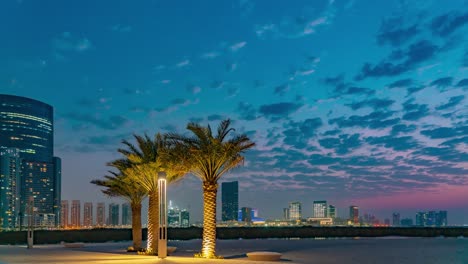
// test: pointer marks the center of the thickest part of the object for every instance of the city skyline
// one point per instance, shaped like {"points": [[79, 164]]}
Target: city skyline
{"points": [[353, 102]]}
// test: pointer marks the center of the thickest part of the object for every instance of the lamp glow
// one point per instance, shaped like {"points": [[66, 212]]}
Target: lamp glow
{"points": [[162, 241]]}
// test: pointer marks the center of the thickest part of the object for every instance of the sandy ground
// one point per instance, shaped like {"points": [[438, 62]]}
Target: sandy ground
{"points": [[355, 251]]}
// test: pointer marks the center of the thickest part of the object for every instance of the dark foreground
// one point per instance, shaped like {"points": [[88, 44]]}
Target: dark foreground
{"points": [[364, 250]]}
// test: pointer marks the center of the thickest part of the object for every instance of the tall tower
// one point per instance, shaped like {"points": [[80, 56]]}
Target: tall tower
{"points": [[76, 213], [229, 200], [354, 214], [27, 125], [101, 214], [64, 214], [88, 214], [295, 211], [10, 188], [331, 211], [396, 219], [113, 214], [320, 209], [126, 214]]}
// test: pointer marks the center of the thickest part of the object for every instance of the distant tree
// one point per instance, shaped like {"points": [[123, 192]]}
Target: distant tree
{"points": [[142, 162], [120, 185], [210, 157]]}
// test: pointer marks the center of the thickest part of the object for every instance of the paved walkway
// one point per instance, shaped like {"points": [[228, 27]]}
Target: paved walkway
{"points": [[327, 251]]}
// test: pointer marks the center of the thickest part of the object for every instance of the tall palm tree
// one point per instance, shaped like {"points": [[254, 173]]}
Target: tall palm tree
{"points": [[127, 188], [210, 157], [143, 162]]}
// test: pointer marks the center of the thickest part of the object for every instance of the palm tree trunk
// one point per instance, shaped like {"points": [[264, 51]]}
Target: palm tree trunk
{"points": [[136, 225], [153, 222], [209, 220]]}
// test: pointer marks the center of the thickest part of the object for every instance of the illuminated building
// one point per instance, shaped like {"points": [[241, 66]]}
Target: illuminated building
{"points": [[100, 214], [64, 213], [10, 188], [396, 219], [184, 218], [286, 213], [320, 209], [229, 200], [27, 125], [295, 211], [332, 211], [406, 222], [88, 214], [75, 213], [431, 219], [246, 215], [354, 215], [126, 214], [441, 219], [113, 219]]}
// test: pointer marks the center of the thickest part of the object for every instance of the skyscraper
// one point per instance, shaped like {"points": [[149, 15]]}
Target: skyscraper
{"points": [[441, 219], [229, 200], [295, 211], [126, 214], [27, 125], [10, 188], [246, 214], [101, 214], [88, 214], [320, 209], [396, 219], [331, 211], [286, 213], [184, 218], [354, 214], [113, 219], [64, 214], [76, 214]]}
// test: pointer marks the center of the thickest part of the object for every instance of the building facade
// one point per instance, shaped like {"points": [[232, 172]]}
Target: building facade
{"points": [[184, 218], [126, 214], [320, 209], [10, 188], [354, 215], [100, 214], [229, 200], [332, 211], [28, 126], [88, 214], [64, 214], [113, 219], [75, 216], [295, 211], [396, 219]]}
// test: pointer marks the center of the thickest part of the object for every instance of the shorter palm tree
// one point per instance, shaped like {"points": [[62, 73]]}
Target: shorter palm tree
{"points": [[120, 185]]}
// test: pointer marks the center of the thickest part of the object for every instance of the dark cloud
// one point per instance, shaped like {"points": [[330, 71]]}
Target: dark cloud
{"points": [[359, 90], [442, 83], [415, 111], [110, 123], [374, 103], [401, 83], [441, 132], [443, 154], [402, 128], [282, 89], [374, 120], [217, 84], [179, 101], [416, 53], [298, 133], [455, 100], [279, 109], [195, 119], [342, 144], [396, 143], [246, 111], [215, 117], [463, 83], [465, 59], [394, 33], [412, 90], [447, 23]]}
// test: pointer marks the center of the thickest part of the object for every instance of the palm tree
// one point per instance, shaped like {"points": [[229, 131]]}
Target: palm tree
{"points": [[123, 186], [142, 163], [210, 157]]}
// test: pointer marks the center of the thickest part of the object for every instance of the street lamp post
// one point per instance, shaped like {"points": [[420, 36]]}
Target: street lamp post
{"points": [[31, 221], [162, 242]]}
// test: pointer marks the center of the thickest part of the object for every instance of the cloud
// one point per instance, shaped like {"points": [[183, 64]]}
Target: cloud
{"points": [[246, 111], [279, 109], [447, 23], [453, 101], [237, 46], [183, 63], [291, 28], [415, 111], [193, 89], [401, 83], [394, 33], [374, 103], [110, 123], [463, 83], [416, 53], [374, 120], [443, 132], [402, 128], [121, 28], [210, 55], [66, 42], [282, 89], [215, 117], [342, 144], [396, 143], [442, 83]]}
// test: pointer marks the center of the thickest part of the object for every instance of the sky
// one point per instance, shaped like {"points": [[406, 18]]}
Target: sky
{"points": [[351, 101]]}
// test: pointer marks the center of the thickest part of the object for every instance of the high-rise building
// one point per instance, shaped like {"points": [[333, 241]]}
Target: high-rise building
{"points": [[320, 209], [441, 219], [100, 214], [295, 211], [27, 125], [113, 219], [229, 200], [76, 213], [354, 215], [88, 214], [184, 218], [286, 213], [246, 214], [396, 219], [406, 222], [126, 214], [10, 188], [331, 211], [431, 218], [64, 214]]}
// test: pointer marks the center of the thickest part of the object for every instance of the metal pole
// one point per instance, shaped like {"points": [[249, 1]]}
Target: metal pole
{"points": [[30, 222], [162, 242]]}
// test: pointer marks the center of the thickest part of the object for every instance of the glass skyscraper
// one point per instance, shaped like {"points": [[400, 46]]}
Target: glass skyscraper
{"points": [[26, 126], [295, 211], [320, 209], [229, 200]]}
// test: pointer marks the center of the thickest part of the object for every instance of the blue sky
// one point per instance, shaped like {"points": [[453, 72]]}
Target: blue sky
{"points": [[356, 102]]}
